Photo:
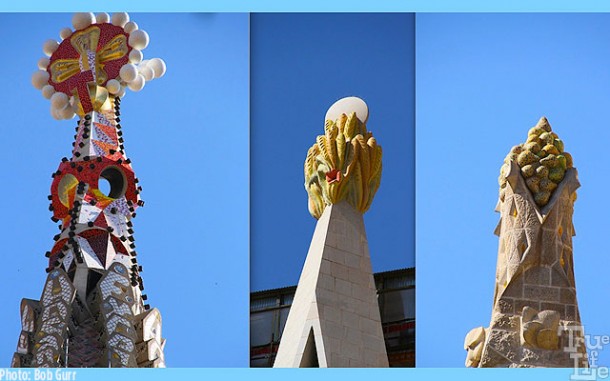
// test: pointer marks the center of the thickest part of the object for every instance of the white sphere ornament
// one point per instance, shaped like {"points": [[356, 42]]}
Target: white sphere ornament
{"points": [[135, 56], [59, 100], [66, 113], [40, 78], [54, 113], [128, 72], [113, 86], [120, 19], [138, 39], [48, 91], [347, 106], [102, 18], [43, 63], [49, 47], [82, 20], [147, 72], [137, 84], [65, 33], [121, 92], [130, 27], [158, 66]]}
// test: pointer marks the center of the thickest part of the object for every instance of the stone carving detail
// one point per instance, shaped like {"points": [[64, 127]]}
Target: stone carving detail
{"points": [[535, 309], [542, 160], [343, 164], [475, 339], [539, 329]]}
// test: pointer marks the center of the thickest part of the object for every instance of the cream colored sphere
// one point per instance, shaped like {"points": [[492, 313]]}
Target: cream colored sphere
{"points": [[40, 78], [138, 39], [82, 20]]}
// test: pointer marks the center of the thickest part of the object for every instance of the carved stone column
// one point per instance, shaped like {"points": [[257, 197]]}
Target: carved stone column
{"points": [[535, 320]]}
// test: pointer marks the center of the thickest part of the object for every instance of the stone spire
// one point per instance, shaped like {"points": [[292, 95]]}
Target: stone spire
{"points": [[535, 320], [334, 320]]}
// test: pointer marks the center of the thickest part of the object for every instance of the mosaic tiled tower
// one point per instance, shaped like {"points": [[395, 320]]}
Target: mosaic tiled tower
{"points": [[92, 311], [535, 320], [334, 320]]}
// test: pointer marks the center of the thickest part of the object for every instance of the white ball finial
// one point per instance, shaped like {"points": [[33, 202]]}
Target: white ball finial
{"points": [[102, 18], [347, 106], [43, 63], [158, 66], [138, 39], [48, 91], [130, 27], [113, 86], [40, 78], [65, 33], [59, 100], [120, 19], [137, 84], [49, 47], [147, 72], [135, 56], [128, 72], [82, 20]]}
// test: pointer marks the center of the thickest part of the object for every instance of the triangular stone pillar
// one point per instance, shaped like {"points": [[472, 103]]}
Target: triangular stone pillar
{"points": [[335, 315]]}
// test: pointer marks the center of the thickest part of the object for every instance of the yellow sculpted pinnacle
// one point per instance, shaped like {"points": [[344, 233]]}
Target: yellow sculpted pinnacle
{"points": [[343, 164], [542, 160]]}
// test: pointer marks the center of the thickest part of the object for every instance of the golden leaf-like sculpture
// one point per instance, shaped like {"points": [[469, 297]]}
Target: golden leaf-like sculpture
{"points": [[343, 164]]}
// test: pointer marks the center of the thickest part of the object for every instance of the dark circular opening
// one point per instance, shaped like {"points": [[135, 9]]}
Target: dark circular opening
{"points": [[112, 182]]}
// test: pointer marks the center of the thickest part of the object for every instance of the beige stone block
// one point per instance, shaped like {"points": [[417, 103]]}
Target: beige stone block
{"points": [[350, 320], [373, 342], [358, 276], [362, 293], [352, 260], [538, 276], [325, 267], [567, 296], [370, 327], [541, 293], [332, 314], [351, 351], [334, 255], [326, 282], [339, 271], [354, 336], [343, 287], [506, 306], [332, 329], [365, 264], [339, 361]]}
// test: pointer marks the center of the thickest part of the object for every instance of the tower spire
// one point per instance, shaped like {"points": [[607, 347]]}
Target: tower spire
{"points": [[535, 321], [93, 297]]}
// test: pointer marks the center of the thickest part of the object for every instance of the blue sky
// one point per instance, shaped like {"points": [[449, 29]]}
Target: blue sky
{"points": [[482, 81], [187, 137], [300, 65]]}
